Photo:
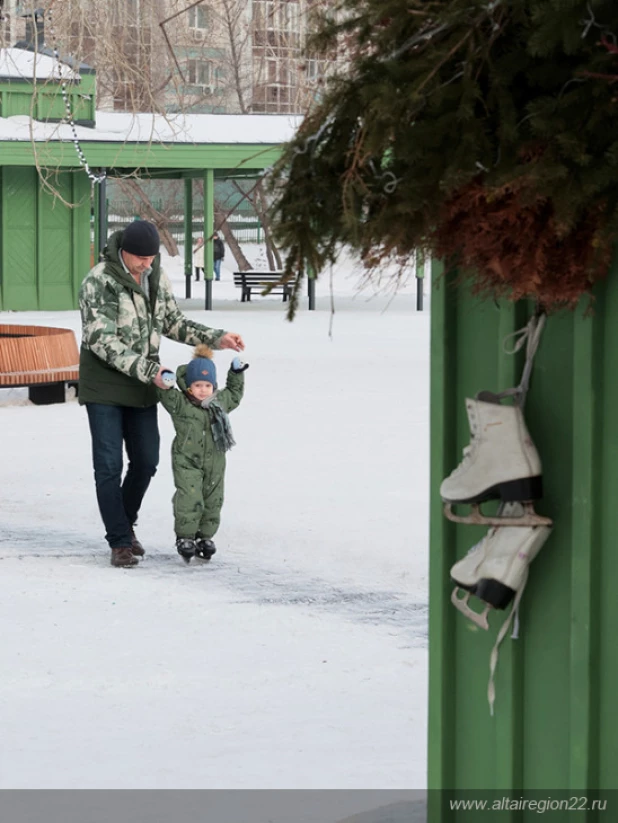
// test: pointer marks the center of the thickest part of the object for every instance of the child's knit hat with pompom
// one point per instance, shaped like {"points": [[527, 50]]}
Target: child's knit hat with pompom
{"points": [[201, 367]]}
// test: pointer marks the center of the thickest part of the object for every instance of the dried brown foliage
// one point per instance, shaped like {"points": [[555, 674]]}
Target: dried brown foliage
{"points": [[516, 247]]}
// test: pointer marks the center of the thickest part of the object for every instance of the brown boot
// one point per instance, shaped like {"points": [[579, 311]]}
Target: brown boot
{"points": [[123, 557], [136, 547]]}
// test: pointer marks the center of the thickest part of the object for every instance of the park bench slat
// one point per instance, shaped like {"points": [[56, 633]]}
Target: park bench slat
{"points": [[39, 357], [256, 281]]}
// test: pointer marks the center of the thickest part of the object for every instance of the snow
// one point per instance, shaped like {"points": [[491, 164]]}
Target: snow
{"points": [[296, 659], [271, 129], [126, 127], [24, 65], [130, 127]]}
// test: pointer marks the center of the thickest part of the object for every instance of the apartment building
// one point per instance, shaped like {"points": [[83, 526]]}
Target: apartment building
{"points": [[219, 56]]}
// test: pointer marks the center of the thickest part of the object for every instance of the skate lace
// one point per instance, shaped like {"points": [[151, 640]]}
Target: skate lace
{"points": [[469, 449], [493, 657], [530, 336]]}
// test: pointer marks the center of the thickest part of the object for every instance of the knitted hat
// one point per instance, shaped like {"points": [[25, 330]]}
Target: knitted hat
{"points": [[201, 367], [141, 238]]}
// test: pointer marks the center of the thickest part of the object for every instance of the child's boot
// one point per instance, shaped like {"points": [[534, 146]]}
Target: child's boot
{"points": [[185, 546], [204, 548]]}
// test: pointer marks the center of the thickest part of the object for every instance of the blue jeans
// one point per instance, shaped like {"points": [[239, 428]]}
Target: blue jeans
{"points": [[120, 500], [217, 269]]}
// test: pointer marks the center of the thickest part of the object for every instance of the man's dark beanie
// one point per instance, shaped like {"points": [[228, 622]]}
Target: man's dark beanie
{"points": [[141, 238]]}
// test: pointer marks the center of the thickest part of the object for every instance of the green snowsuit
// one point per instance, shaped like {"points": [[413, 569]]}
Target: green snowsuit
{"points": [[198, 465]]}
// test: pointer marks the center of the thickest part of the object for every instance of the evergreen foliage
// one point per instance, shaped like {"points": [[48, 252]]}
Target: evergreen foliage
{"points": [[484, 132]]}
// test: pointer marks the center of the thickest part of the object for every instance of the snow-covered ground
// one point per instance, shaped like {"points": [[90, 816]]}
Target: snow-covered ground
{"points": [[297, 659]]}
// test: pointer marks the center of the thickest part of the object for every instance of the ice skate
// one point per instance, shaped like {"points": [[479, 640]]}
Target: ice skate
{"points": [[204, 548], [501, 463], [465, 574], [185, 546], [495, 569]]}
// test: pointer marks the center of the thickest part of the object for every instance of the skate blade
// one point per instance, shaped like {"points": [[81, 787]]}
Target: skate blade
{"points": [[461, 603], [186, 558], [476, 517]]}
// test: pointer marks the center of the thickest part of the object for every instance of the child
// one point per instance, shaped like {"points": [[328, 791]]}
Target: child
{"points": [[203, 435]]}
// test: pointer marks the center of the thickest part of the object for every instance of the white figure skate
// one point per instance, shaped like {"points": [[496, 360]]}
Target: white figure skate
{"points": [[501, 463], [495, 570]]}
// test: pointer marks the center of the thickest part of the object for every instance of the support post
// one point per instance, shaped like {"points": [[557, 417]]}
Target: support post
{"points": [[188, 236], [311, 278], [209, 225], [420, 274], [94, 199], [102, 214]]}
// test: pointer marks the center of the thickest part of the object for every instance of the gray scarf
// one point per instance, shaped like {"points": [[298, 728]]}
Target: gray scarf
{"points": [[219, 425]]}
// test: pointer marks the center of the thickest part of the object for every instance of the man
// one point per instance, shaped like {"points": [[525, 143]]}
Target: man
{"points": [[127, 304], [218, 253]]}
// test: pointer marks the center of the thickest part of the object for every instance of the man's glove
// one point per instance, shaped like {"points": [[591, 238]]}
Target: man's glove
{"points": [[239, 365]]}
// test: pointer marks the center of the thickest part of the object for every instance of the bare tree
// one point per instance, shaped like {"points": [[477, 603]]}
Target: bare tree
{"points": [[267, 70], [122, 40], [144, 207], [257, 199], [176, 56], [221, 224], [234, 246]]}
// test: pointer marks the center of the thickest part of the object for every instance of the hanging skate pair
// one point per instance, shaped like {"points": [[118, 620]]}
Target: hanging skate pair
{"points": [[501, 463]]}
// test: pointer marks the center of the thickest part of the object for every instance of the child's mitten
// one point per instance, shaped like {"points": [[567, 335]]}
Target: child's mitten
{"points": [[239, 365]]}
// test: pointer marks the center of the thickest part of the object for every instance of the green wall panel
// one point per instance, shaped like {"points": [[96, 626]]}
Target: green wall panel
{"points": [[19, 239], [50, 106], [16, 98], [555, 726], [55, 240], [45, 238]]}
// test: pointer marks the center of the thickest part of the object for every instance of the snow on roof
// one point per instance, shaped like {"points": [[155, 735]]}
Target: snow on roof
{"points": [[121, 127], [199, 128], [22, 64]]}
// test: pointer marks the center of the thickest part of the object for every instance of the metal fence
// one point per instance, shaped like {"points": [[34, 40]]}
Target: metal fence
{"points": [[245, 230]]}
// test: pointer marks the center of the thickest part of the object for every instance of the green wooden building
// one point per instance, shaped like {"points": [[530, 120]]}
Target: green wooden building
{"points": [[53, 147], [555, 726]]}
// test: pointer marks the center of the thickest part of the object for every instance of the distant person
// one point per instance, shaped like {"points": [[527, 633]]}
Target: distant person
{"points": [[218, 253], [198, 258], [127, 305], [203, 435]]}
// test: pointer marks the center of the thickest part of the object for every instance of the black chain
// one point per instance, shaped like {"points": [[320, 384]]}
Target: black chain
{"points": [[96, 178]]}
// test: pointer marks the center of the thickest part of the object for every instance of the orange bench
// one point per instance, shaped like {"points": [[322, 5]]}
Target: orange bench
{"points": [[42, 358]]}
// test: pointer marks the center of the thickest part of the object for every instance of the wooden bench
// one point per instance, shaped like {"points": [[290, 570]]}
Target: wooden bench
{"points": [[42, 358], [249, 281]]}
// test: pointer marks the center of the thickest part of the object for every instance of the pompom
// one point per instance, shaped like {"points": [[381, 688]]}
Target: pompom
{"points": [[202, 350]]}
